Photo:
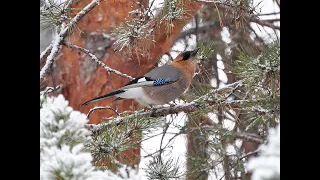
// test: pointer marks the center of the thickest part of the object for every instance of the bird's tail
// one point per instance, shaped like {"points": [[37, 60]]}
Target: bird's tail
{"points": [[106, 96]]}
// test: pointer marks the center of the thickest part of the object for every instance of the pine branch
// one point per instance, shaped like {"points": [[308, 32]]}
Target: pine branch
{"points": [[93, 57], [62, 35]]}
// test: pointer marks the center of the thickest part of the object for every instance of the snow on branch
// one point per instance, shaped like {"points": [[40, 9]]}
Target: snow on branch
{"points": [[44, 53], [100, 108], [59, 38], [93, 57]]}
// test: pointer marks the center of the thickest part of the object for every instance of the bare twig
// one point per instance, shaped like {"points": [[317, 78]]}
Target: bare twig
{"points": [[149, 9], [93, 57], [164, 133], [115, 102], [268, 14], [197, 20], [268, 23], [238, 134], [249, 137], [278, 3], [100, 108], [201, 29], [62, 35]]}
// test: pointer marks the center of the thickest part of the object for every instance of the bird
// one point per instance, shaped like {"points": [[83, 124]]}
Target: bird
{"points": [[159, 86]]}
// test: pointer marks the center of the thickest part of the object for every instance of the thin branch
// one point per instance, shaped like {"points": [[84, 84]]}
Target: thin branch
{"points": [[110, 78], [268, 14], [93, 57], [255, 33], [182, 131], [267, 23], [164, 133], [100, 108], [149, 9], [238, 134], [62, 35], [250, 153], [201, 29], [278, 3], [249, 137], [197, 20]]}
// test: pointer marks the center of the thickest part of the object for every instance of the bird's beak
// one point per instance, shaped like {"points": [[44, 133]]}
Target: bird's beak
{"points": [[194, 52]]}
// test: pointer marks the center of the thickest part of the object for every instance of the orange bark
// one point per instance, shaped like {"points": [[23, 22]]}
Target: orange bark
{"points": [[82, 82]]}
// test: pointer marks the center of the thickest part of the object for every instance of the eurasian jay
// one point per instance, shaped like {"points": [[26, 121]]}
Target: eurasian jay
{"points": [[161, 85]]}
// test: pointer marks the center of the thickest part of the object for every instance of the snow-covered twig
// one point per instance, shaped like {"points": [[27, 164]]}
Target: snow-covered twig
{"points": [[62, 35], [93, 57], [44, 53], [100, 108], [69, 4], [49, 90], [54, 51]]}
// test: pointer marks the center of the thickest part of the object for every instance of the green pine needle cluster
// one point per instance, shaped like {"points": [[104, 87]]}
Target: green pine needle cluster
{"points": [[262, 74], [112, 140], [163, 168], [173, 9], [131, 33], [53, 15]]}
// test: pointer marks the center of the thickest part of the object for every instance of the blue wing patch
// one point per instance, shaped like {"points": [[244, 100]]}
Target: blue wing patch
{"points": [[160, 82]]}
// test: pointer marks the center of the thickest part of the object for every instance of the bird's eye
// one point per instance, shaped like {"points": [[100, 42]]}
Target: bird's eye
{"points": [[185, 55]]}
